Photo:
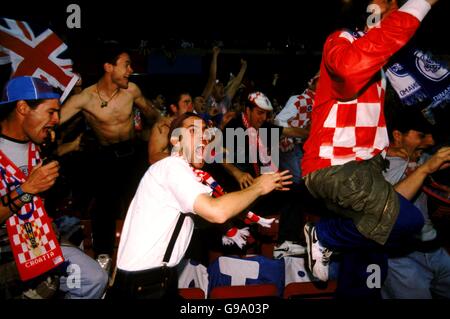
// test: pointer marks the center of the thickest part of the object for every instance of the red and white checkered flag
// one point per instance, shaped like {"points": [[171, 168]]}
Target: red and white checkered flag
{"points": [[36, 249]]}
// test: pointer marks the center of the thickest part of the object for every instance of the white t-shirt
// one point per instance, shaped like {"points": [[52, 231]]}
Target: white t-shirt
{"points": [[16, 151], [167, 188], [288, 112]]}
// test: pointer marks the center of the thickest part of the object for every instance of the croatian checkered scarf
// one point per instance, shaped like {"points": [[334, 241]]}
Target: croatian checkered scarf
{"points": [[206, 179], [32, 239]]}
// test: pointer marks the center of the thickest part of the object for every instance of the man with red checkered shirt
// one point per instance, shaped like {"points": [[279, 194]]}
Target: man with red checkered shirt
{"points": [[344, 156]]}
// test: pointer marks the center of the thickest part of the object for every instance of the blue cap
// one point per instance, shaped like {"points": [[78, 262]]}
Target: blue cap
{"points": [[27, 88]]}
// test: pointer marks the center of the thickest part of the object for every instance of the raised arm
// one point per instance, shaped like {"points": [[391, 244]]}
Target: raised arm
{"points": [[212, 74], [411, 184], [355, 62], [302, 132], [73, 105], [234, 86]]}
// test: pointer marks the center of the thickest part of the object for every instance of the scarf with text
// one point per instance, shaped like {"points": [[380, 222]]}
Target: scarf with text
{"points": [[417, 77], [33, 242]]}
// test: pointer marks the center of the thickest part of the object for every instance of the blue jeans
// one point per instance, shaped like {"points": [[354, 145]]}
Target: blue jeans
{"points": [[87, 281], [341, 233], [419, 275]]}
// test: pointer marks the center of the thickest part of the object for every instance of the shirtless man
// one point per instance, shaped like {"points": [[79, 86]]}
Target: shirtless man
{"points": [[108, 104], [108, 108]]}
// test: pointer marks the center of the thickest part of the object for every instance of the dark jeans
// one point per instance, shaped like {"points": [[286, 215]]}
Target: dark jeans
{"points": [[117, 171], [358, 252], [341, 233]]}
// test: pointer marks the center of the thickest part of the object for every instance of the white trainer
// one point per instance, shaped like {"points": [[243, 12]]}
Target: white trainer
{"points": [[288, 248], [318, 256]]}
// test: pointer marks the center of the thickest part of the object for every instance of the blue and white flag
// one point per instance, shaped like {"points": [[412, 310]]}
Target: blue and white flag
{"points": [[417, 77]]}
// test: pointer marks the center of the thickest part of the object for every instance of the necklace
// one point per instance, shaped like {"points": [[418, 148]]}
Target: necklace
{"points": [[105, 102]]}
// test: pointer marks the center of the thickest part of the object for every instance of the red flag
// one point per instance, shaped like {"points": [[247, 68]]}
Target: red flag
{"points": [[36, 54]]}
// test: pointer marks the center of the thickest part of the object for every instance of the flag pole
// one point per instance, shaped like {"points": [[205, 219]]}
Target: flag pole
{"points": [[69, 88]]}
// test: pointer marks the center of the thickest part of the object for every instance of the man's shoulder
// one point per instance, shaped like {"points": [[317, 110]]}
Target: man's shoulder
{"points": [[133, 89], [346, 34], [396, 164], [173, 160], [92, 89], [83, 98], [164, 122], [171, 163], [292, 99]]}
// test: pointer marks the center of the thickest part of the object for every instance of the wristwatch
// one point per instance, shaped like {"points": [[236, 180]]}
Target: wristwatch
{"points": [[24, 197]]}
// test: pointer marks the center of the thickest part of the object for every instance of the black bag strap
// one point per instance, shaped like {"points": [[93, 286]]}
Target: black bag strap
{"points": [[174, 237]]}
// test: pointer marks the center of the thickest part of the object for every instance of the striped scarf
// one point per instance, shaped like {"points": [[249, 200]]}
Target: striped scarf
{"points": [[34, 244], [206, 179], [417, 76]]}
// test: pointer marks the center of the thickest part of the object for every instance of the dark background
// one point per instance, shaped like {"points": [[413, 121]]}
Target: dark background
{"points": [[284, 37]]}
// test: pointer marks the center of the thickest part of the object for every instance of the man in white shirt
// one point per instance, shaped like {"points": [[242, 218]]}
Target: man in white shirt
{"points": [[170, 188]]}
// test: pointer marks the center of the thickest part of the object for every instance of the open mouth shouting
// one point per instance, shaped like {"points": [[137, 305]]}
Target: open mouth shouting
{"points": [[199, 153]]}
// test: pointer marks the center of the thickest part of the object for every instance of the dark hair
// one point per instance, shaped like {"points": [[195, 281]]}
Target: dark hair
{"points": [[35, 103], [178, 122], [174, 99], [406, 119], [7, 108], [249, 104], [109, 52]]}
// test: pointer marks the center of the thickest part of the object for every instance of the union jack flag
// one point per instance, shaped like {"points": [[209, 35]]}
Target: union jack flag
{"points": [[35, 54]]}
